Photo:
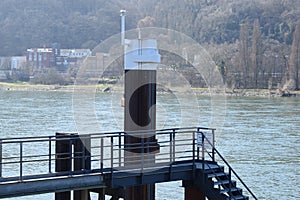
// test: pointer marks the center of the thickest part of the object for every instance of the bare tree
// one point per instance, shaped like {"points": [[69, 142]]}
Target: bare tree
{"points": [[294, 61], [244, 53], [256, 52]]}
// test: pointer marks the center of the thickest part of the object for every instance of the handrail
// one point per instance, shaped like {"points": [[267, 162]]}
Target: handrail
{"points": [[107, 152], [227, 164], [103, 134], [17, 157], [236, 175]]}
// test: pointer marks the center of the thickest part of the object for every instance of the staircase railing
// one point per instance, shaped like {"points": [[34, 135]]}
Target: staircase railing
{"points": [[36, 157], [213, 154]]}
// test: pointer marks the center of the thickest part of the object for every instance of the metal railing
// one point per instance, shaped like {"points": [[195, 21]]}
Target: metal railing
{"points": [[213, 154], [35, 157], [30, 158]]}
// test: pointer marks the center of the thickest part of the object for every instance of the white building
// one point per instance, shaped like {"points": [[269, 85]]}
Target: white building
{"points": [[17, 62], [75, 53]]}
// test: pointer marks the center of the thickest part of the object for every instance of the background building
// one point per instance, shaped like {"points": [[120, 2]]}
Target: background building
{"points": [[41, 58]]}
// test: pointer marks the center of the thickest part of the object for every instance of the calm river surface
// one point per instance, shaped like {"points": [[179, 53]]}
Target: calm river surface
{"points": [[259, 136]]}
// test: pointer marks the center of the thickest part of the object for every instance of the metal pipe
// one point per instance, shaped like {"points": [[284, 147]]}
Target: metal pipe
{"points": [[49, 156], [123, 15], [101, 154], [21, 161], [112, 160]]}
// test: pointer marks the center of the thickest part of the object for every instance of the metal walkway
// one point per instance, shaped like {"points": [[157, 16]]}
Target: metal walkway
{"points": [[36, 165]]}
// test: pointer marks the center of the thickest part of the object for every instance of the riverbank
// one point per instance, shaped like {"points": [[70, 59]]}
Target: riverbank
{"points": [[39, 87], [24, 86]]}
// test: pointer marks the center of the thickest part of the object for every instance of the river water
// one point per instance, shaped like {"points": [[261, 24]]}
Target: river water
{"points": [[259, 136]]}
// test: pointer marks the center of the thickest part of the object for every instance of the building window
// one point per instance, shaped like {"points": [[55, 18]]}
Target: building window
{"points": [[35, 56]]}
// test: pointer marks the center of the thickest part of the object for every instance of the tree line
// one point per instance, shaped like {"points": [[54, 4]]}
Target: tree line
{"points": [[255, 44], [261, 63]]}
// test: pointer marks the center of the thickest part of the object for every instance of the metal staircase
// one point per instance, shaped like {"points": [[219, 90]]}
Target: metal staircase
{"points": [[221, 183], [216, 180]]}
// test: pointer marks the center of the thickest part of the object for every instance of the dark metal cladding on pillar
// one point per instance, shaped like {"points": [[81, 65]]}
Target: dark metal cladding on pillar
{"points": [[140, 114], [140, 111], [141, 58]]}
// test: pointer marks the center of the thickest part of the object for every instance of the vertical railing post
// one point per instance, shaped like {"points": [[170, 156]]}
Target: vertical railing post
{"points": [[49, 155], [120, 144], [83, 156], [143, 154], [101, 154], [171, 148], [213, 144], [203, 148], [202, 143], [230, 182], [198, 148], [173, 139], [21, 161], [194, 144], [70, 151], [171, 154], [194, 165], [0, 158], [112, 159]]}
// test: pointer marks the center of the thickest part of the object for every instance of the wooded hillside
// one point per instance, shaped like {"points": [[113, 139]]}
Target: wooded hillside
{"points": [[254, 43]]}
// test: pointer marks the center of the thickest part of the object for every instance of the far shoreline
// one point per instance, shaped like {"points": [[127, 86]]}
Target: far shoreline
{"points": [[25, 86]]}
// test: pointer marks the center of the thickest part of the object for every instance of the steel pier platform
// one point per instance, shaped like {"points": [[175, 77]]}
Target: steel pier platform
{"points": [[95, 163]]}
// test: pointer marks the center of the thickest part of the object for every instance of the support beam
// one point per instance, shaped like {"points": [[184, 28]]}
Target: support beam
{"points": [[101, 194], [50, 185], [143, 192], [192, 192], [82, 161]]}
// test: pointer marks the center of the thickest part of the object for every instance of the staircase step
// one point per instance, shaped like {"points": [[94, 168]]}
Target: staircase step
{"points": [[218, 175], [238, 197], [233, 190], [214, 169], [225, 182]]}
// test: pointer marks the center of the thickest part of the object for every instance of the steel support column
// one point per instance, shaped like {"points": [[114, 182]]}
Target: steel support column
{"points": [[140, 114], [63, 161], [192, 192], [82, 161]]}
